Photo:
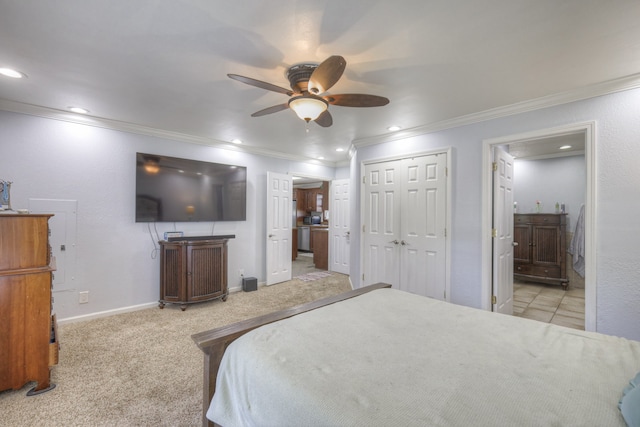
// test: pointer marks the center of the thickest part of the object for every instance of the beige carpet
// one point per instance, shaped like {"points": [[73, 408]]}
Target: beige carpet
{"points": [[142, 368]]}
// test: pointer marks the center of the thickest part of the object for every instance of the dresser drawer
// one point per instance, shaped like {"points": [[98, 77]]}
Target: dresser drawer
{"points": [[539, 219], [522, 268], [551, 271]]}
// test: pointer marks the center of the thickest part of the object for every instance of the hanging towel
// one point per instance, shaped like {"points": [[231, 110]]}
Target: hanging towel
{"points": [[576, 248]]}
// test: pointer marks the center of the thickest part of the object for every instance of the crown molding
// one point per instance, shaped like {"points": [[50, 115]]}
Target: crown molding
{"points": [[88, 120], [592, 91]]}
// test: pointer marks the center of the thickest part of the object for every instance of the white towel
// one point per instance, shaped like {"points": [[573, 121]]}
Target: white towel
{"points": [[576, 248]]}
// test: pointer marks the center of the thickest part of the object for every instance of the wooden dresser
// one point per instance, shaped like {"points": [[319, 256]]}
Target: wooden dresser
{"points": [[193, 270], [28, 342], [540, 253]]}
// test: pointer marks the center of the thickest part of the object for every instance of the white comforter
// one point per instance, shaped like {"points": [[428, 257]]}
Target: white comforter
{"points": [[390, 358]]}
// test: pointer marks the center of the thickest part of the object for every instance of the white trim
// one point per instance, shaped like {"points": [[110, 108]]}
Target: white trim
{"points": [[448, 151], [65, 116], [107, 313], [589, 130], [592, 91], [122, 310]]}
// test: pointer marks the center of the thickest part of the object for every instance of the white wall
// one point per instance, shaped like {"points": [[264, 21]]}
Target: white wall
{"points": [[117, 261], [561, 179], [59, 160], [617, 119]]}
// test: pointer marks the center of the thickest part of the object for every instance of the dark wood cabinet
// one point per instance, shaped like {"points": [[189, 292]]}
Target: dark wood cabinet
{"points": [[193, 271], [320, 237], [540, 253], [312, 199], [28, 342], [294, 244]]}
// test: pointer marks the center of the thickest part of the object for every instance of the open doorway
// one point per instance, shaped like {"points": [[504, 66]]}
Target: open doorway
{"points": [[310, 228], [539, 142]]}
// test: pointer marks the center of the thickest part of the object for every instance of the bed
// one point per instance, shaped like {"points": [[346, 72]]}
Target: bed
{"points": [[380, 356]]}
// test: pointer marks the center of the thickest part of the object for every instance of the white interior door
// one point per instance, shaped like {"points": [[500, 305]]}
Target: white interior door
{"points": [[404, 224], [339, 229], [503, 232], [278, 238], [423, 218], [381, 222]]}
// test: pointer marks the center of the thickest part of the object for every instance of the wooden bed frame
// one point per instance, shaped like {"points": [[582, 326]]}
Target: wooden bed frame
{"points": [[214, 342]]}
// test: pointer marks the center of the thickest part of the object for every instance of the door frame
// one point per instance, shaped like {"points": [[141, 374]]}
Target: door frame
{"points": [[449, 152], [589, 131]]}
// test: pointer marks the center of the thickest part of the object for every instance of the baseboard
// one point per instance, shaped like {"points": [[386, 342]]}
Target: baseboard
{"points": [[107, 313], [122, 310]]}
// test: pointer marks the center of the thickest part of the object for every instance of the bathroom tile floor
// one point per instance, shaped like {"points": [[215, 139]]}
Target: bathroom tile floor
{"points": [[549, 304]]}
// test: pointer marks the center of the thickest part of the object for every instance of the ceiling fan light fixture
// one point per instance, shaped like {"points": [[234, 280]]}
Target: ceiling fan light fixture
{"points": [[151, 165], [14, 74], [308, 108]]}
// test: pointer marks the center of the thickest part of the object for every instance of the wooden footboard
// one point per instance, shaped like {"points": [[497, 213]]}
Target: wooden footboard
{"points": [[214, 342]]}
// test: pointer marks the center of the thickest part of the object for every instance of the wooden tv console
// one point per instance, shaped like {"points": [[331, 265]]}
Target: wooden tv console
{"points": [[193, 269]]}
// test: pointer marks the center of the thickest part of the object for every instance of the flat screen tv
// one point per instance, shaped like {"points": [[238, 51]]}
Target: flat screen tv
{"points": [[169, 189]]}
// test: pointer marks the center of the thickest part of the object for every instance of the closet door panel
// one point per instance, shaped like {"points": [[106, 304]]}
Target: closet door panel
{"points": [[423, 240], [382, 223]]}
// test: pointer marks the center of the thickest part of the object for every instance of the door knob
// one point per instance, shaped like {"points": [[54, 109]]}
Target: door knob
{"points": [[515, 243], [403, 243], [395, 242], [271, 235]]}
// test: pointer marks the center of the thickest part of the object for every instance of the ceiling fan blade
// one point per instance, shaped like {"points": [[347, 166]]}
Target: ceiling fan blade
{"points": [[356, 100], [270, 110], [327, 74], [325, 120], [260, 84]]}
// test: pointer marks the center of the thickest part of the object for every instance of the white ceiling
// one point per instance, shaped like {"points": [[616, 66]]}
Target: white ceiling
{"points": [[160, 67]]}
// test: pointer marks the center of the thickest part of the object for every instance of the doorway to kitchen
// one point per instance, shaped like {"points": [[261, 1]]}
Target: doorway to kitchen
{"points": [[310, 216]]}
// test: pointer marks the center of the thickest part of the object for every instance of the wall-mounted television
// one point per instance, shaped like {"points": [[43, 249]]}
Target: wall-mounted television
{"points": [[170, 189]]}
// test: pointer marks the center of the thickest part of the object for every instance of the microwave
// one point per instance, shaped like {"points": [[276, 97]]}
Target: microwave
{"points": [[314, 218]]}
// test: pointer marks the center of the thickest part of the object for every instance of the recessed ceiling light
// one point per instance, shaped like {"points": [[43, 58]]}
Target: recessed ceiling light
{"points": [[339, 149], [236, 141], [8, 72], [78, 110], [565, 147], [394, 128], [320, 158]]}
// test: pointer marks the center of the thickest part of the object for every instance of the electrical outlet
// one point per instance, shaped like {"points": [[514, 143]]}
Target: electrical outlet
{"points": [[83, 297], [241, 272]]}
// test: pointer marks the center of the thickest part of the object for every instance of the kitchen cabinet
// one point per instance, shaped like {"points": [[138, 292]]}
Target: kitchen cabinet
{"points": [[312, 199], [320, 237]]}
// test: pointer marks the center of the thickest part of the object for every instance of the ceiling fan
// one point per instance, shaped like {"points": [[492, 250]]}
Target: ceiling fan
{"points": [[308, 84]]}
